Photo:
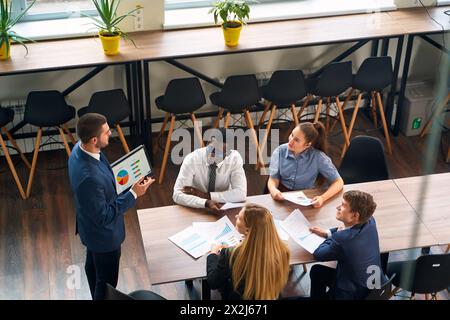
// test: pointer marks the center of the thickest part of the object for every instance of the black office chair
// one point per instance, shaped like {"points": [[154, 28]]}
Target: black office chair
{"points": [[182, 96], [334, 80], [382, 293], [374, 74], [47, 109], [7, 116], [239, 95], [112, 293], [285, 88], [428, 274], [364, 161], [114, 106]]}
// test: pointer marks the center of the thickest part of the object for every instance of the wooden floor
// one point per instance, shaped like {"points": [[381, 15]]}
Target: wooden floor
{"points": [[39, 250]]}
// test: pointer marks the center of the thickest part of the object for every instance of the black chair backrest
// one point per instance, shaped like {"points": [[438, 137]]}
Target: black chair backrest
{"points": [[183, 95], [382, 293], [46, 109], [334, 79], [285, 87], [364, 161], [432, 273], [239, 92], [111, 103], [112, 293], [374, 74], [6, 116]]}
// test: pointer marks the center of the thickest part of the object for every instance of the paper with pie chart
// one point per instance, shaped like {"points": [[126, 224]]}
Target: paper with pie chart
{"points": [[130, 168]]}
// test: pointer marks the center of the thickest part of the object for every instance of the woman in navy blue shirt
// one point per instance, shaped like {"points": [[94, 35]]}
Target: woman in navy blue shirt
{"points": [[295, 165]]}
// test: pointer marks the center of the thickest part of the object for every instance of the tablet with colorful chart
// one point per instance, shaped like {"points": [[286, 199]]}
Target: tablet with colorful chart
{"points": [[130, 168]]}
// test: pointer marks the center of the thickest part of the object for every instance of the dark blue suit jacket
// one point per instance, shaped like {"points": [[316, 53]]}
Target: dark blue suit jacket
{"points": [[99, 209], [355, 249]]}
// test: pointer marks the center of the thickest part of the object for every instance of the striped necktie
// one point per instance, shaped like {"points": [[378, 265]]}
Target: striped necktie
{"points": [[212, 177]]}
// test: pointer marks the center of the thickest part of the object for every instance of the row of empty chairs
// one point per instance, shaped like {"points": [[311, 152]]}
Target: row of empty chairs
{"points": [[286, 88], [46, 109]]}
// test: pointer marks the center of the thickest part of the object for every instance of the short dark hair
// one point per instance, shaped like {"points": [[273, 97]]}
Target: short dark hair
{"points": [[90, 126], [362, 203]]}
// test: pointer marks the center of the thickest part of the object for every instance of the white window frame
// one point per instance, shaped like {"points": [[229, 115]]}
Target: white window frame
{"points": [[20, 5]]}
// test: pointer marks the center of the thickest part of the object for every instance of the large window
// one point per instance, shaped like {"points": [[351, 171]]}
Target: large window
{"points": [[184, 4], [54, 9]]}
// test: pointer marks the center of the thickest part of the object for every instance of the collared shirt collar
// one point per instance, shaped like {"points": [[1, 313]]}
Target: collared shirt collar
{"points": [[93, 155], [206, 159]]}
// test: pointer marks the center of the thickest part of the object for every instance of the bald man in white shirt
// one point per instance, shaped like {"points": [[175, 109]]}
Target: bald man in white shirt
{"points": [[210, 176]]}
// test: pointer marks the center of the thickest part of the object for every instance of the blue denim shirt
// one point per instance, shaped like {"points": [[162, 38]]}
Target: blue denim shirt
{"points": [[297, 173]]}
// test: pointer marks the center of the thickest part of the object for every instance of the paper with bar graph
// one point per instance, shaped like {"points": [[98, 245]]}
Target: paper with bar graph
{"points": [[221, 231], [191, 242], [297, 226]]}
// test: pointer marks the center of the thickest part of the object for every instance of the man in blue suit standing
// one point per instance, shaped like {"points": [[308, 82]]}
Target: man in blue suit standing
{"points": [[355, 247], [100, 211]]}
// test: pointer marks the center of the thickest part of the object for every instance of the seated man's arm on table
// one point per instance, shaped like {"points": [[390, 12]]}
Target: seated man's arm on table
{"points": [[330, 249], [274, 176], [238, 182], [184, 179]]}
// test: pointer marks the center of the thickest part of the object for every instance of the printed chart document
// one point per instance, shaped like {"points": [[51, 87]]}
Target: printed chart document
{"points": [[231, 205], [191, 242], [221, 231], [297, 226], [281, 233], [298, 197]]}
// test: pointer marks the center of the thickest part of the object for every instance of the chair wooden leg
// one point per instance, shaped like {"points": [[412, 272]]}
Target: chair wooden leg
{"points": [[294, 114], [352, 122], [266, 109], [269, 125], [69, 134], [166, 150], [197, 130], [305, 269], [433, 117], [393, 292], [341, 117], [227, 120], [122, 138], [347, 99], [448, 155], [33, 163], [10, 138], [448, 249], [373, 108], [12, 168], [303, 107], [219, 117], [259, 161], [383, 121], [318, 110], [163, 127], [327, 122], [63, 137]]}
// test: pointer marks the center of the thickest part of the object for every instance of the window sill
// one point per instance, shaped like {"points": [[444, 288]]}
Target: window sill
{"points": [[56, 29], [199, 17]]}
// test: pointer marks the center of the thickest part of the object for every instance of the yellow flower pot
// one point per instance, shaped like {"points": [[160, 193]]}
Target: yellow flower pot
{"points": [[110, 43], [5, 54], [231, 35]]}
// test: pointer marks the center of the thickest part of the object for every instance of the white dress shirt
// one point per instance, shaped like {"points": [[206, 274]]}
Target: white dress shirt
{"points": [[231, 183], [96, 156]]}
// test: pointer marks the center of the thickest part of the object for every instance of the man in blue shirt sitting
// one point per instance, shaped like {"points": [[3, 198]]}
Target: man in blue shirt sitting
{"points": [[355, 247]]}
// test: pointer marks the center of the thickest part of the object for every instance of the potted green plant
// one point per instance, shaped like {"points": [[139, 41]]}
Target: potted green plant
{"points": [[7, 22], [233, 13], [107, 24]]}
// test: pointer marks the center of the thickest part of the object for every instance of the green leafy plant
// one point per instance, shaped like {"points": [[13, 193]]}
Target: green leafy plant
{"points": [[108, 19], [232, 12], [7, 22]]}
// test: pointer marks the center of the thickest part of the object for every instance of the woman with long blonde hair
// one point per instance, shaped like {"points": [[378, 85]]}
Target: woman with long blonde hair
{"points": [[258, 268]]}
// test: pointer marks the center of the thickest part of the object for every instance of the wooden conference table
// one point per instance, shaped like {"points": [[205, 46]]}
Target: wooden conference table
{"points": [[399, 226]]}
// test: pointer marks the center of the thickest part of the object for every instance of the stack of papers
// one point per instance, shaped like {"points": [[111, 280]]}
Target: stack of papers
{"points": [[297, 226], [197, 239], [231, 205], [298, 197]]}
